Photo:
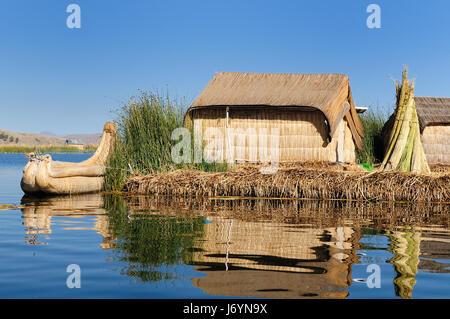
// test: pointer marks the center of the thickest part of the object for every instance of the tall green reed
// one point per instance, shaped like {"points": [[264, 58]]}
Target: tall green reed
{"points": [[373, 122], [145, 125]]}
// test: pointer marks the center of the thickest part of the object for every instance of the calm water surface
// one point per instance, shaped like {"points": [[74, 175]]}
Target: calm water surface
{"points": [[162, 247]]}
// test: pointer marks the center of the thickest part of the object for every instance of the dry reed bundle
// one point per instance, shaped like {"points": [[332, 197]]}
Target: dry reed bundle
{"points": [[405, 151], [297, 182]]}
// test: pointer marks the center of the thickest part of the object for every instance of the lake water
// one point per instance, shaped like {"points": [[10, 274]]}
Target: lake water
{"points": [[163, 247]]}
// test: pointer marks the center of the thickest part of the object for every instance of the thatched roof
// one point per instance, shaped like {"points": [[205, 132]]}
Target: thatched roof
{"points": [[432, 110], [329, 93]]}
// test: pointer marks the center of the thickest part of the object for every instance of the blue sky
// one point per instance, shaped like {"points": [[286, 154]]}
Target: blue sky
{"points": [[63, 80]]}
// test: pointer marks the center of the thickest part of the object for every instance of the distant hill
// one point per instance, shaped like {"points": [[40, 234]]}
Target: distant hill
{"points": [[49, 133], [15, 138]]}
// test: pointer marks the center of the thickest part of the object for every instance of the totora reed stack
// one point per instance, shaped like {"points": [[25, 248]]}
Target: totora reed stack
{"points": [[404, 150]]}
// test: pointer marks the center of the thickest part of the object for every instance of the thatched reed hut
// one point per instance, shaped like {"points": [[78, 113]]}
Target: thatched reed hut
{"points": [[433, 114], [312, 116], [434, 121]]}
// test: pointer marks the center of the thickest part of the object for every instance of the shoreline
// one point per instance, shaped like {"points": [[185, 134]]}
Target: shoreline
{"points": [[44, 149], [297, 183]]}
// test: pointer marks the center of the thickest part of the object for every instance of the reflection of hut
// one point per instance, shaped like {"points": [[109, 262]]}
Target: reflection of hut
{"points": [[435, 250], [37, 214], [257, 259], [314, 114]]}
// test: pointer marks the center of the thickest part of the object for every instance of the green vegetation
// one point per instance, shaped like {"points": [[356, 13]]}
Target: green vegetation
{"points": [[373, 122], [150, 243], [4, 136], [46, 149], [144, 146]]}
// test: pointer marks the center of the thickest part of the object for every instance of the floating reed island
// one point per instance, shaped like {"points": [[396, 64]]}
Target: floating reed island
{"points": [[322, 143], [298, 181]]}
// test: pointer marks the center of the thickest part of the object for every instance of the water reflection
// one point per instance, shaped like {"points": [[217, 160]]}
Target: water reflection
{"points": [[252, 248], [150, 243], [405, 246], [145, 242], [412, 251], [38, 212], [261, 259]]}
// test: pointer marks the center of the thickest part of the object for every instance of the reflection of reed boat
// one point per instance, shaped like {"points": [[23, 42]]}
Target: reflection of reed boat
{"points": [[37, 214], [43, 175]]}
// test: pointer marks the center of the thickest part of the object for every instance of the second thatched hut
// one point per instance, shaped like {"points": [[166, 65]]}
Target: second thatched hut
{"points": [[433, 114], [313, 116], [434, 121]]}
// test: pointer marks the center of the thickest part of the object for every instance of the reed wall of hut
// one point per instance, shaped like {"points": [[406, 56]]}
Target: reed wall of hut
{"points": [[247, 135], [434, 121], [436, 144]]}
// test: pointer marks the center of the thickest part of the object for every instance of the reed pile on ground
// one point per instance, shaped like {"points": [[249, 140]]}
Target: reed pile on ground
{"points": [[297, 182], [442, 169]]}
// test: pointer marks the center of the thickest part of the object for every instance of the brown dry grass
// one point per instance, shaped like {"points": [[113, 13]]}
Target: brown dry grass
{"points": [[307, 181], [440, 169]]}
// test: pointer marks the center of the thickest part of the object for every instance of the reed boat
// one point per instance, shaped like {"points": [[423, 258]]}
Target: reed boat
{"points": [[44, 175]]}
